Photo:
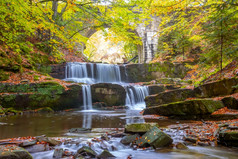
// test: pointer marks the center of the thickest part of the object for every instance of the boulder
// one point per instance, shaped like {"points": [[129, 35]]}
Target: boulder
{"points": [[14, 152], [106, 155], [111, 94], [218, 88], [154, 137], [139, 127], [86, 151], [186, 108], [37, 148], [127, 140], [230, 102], [168, 97]]}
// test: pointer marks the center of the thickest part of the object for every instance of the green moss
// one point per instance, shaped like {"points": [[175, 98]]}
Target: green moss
{"points": [[12, 110], [36, 78], [45, 110], [4, 76]]}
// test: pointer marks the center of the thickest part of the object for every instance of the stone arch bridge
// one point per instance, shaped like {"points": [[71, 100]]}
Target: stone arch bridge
{"points": [[148, 35]]}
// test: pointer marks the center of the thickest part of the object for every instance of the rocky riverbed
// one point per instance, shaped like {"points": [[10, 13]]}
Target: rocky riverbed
{"points": [[123, 136]]}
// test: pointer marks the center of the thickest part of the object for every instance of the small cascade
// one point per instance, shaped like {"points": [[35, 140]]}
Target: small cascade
{"points": [[87, 73], [135, 96], [87, 97]]}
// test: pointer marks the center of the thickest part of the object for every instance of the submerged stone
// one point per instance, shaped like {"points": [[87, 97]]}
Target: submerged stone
{"points": [[106, 155], [181, 145], [58, 153], [79, 130], [14, 152], [154, 137], [139, 127]]}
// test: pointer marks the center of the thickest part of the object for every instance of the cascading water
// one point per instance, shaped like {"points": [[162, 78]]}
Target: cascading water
{"points": [[104, 73], [87, 97], [135, 96]]}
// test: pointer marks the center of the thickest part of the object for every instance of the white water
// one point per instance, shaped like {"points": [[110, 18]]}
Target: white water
{"points": [[104, 73], [87, 97]]}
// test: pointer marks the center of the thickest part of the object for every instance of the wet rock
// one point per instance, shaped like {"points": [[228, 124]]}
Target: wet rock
{"points": [[13, 152], [86, 151], [111, 94], [28, 143], [230, 102], [203, 143], [37, 148], [79, 130], [168, 97], [58, 153], [154, 137], [106, 155], [191, 139], [228, 137], [44, 110], [53, 142], [126, 140], [218, 88], [139, 127], [105, 137], [181, 146], [186, 109]]}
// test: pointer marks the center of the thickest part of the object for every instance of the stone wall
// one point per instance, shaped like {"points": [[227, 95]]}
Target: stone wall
{"points": [[58, 71], [147, 72]]}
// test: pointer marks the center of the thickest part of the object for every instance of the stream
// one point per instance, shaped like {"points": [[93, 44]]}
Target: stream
{"points": [[58, 124]]}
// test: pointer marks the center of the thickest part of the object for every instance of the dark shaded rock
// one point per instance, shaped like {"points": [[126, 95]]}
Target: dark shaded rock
{"points": [[186, 108], [203, 143], [106, 155], [58, 153], [13, 152], [223, 116], [230, 102], [155, 89], [111, 94], [228, 137], [86, 151], [79, 130], [58, 70], [99, 105], [154, 137], [139, 127], [191, 139], [219, 88], [127, 140], [181, 146], [168, 97]]}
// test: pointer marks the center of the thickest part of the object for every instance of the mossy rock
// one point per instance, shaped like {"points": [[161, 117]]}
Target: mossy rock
{"points": [[139, 127], [154, 137], [168, 97], [1, 110], [218, 88], [44, 110], [186, 108], [228, 137], [14, 152]]}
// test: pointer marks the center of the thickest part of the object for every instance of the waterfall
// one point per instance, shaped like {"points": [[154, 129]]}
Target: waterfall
{"points": [[85, 73], [91, 73], [87, 97], [135, 96]]}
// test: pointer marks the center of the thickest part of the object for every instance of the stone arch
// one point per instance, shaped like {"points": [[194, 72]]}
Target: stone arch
{"points": [[91, 31]]}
